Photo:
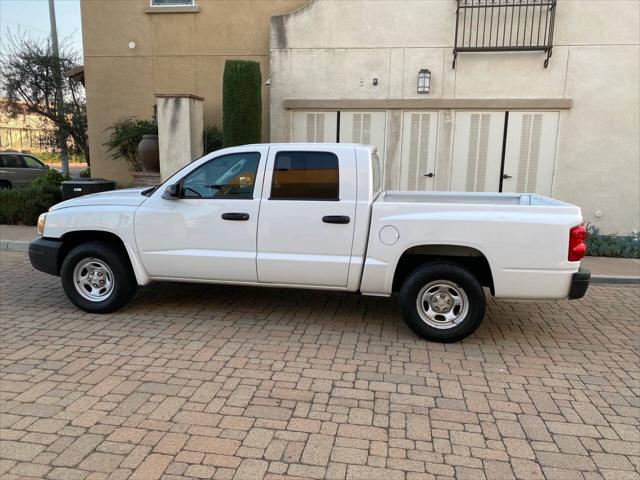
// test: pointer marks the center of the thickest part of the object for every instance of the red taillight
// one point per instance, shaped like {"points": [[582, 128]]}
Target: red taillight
{"points": [[577, 247]]}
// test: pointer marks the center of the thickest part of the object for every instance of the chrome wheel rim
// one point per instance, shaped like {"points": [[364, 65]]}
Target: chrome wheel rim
{"points": [[93, 279], [442, 304]]}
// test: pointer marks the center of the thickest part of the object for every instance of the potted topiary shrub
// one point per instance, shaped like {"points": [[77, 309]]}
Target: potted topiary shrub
{"points": [[125, 137]]}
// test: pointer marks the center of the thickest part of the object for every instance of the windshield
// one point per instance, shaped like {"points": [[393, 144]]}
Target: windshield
{"points": [[149, 191]]}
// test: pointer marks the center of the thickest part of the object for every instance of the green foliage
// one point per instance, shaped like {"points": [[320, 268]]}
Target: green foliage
{"points": [[241, 103], [54, 157], [213, 139], [86, 173], [51, 178], [599, 245], [124, 138], [22, 206]]}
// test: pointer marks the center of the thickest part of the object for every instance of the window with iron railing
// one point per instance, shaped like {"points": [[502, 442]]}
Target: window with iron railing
{"points": [[504, 26]]}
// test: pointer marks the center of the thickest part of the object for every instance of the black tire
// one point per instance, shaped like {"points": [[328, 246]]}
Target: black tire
{"points": [[123, 282], [465, 290]]}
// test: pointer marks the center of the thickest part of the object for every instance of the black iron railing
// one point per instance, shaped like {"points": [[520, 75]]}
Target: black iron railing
{"points": [[504, 26]]}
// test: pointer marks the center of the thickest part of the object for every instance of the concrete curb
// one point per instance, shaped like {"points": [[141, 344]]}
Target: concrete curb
{"points": [[23, 246], [14, 246], [614, 279]]}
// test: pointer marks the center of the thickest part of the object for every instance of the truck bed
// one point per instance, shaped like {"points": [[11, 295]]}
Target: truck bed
{"points": [[523, 237], [470, 198]]}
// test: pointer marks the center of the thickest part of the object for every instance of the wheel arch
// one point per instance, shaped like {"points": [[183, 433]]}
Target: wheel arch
{"points": [[72, 239], [469, 257]]}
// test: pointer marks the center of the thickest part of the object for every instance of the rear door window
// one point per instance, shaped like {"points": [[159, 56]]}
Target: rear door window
{"points": [[305, 176], [13, 161]]}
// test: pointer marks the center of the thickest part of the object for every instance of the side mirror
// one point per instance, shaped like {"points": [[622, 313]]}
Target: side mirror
{"points": [[172, 192]]}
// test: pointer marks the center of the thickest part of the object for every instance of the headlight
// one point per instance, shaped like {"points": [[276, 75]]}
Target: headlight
{"points": [[41, 219]]}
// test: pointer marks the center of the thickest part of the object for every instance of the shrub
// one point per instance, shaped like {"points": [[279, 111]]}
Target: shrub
{"points": [[86, 173], [22, 206], [213, 139], [599, 245], [241, 102], [51, 178], [124, 138]]}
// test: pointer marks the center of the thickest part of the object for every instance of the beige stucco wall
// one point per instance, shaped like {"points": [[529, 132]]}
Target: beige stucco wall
{"points": [[323, 50], [175, 53]]}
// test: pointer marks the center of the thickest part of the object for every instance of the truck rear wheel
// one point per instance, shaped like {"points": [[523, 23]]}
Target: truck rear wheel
{"points": [[97, 278], [442, 302]]}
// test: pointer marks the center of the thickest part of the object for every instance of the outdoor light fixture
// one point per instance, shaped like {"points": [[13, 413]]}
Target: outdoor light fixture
{"points": [[424, 81]]}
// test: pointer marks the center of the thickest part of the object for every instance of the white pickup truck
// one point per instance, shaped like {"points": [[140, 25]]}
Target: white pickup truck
{"points": [[315, 216]]}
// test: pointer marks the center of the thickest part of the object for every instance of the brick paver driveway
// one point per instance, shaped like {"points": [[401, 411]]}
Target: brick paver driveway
{"points": [[245, 383]]}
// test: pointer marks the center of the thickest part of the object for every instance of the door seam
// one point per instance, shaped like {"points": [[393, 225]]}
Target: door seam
{"points": [[504, 148]]}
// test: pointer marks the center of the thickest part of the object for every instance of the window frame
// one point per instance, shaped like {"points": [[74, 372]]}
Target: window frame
{"points": [[253, 190], [303, 199], [152, 4]]}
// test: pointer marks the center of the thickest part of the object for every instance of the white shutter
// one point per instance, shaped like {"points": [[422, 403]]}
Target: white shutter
{"points": [[530, 152], [368, 128], [314, 127], [418, 150], [477, 151], [361, 128]]}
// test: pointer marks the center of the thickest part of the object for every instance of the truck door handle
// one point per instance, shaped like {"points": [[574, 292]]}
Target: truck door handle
{"points": [[505, 176], [336, 219], [238, 217]]}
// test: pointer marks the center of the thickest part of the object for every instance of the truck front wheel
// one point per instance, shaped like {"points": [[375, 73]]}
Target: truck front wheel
{"points": [[442, 302], [97, 278]]}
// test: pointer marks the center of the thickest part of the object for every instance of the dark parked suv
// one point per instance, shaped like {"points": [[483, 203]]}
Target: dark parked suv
{"points": [[19, 169]]}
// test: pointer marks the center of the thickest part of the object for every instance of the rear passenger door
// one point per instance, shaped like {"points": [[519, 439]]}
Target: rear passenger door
{"points": [[307, 216], [14, 170]]}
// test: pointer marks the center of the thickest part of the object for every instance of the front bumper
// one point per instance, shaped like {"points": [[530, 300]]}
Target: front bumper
{"points": [[43, 254], [579, 284]]}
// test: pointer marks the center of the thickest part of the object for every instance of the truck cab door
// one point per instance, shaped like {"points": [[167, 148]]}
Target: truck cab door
{"points": [[307, 216], [207, 231]]}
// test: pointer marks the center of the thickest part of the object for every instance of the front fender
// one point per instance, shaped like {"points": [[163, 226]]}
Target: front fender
{"points": [[113, 219]]}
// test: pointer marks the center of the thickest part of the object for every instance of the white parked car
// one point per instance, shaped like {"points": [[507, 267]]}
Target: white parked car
{"points": [[315, 216]]}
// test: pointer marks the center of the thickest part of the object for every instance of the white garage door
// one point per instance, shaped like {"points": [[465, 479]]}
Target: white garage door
{"points": [[530, 152], [314, 127], [419, 140], [477, 151]]}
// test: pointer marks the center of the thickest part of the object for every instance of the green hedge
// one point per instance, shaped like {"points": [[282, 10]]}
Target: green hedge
{"points": [[599, 245], [23, 206], [213, 139], [241, 103]]}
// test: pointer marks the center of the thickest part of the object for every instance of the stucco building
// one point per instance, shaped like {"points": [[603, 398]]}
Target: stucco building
{"points": [[136, 49], [349, 71]]}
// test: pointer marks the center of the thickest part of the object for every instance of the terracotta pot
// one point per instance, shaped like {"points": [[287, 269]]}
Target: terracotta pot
{"points": [[149, 153]]}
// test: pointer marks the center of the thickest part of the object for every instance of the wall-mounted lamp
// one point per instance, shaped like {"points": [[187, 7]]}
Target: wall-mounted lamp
{"points": [[424, 81], [132, 45]]}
